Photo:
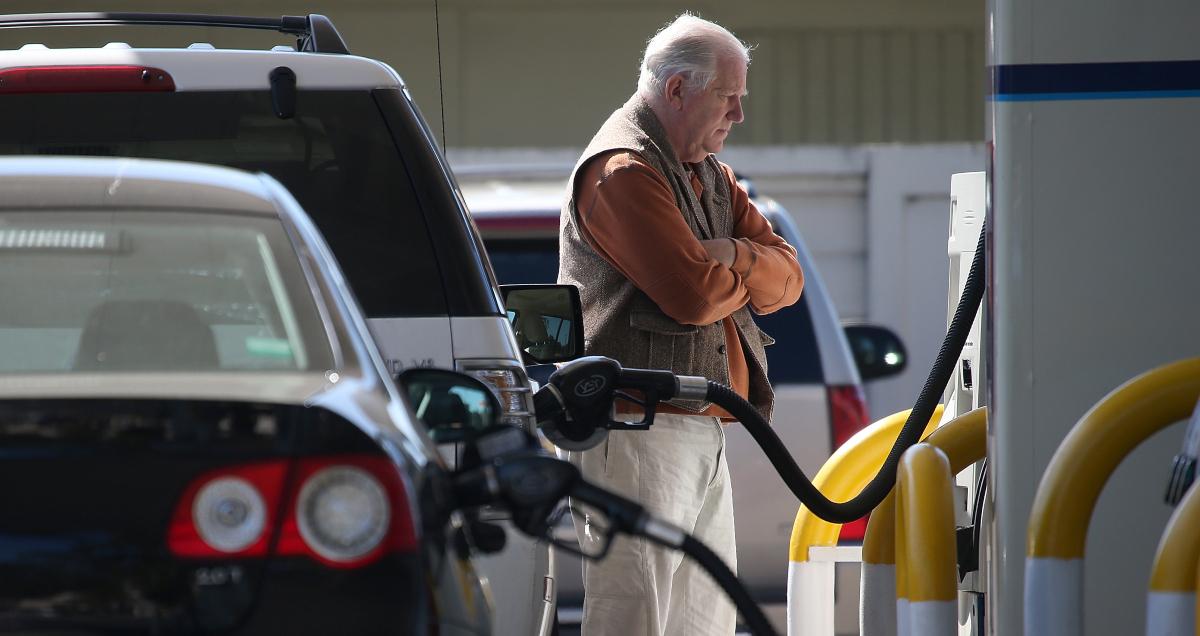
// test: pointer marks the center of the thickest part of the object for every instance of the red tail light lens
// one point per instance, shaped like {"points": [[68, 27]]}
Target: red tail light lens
{"points": [[847, 413], [347, 512], [85, 79], [847, 416], [344, 511], [228, 512]]}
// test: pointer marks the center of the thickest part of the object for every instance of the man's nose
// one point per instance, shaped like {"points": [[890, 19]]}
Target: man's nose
{"points": [[736, 115]]}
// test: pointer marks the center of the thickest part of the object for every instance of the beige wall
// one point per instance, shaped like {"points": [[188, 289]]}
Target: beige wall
{"points": [[546, 72]]}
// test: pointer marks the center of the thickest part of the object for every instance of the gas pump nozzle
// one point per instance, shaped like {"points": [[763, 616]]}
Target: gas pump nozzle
{"points": [[576, 408]]}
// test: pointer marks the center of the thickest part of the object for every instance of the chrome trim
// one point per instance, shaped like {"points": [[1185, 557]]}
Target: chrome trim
{"points": [[692, 387], [493, 482], [466, 365]]}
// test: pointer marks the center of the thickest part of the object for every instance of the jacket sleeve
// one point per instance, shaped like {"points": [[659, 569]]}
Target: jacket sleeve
{"points": [[628, 214], [765, 262]]}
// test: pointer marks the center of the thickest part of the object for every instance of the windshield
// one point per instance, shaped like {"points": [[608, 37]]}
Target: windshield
{"points": [[336, 156], [99, 291]]}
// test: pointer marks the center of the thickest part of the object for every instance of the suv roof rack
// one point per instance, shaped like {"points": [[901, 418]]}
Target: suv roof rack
{"points": [[315, 32]]}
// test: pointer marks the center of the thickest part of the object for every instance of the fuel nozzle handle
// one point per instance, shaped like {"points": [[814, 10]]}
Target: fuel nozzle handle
{"points": [[576, 404], [575, 407], [591, 382]]}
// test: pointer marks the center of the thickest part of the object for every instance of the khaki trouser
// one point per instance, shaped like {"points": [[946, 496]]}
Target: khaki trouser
{"points": [[677, 470]]}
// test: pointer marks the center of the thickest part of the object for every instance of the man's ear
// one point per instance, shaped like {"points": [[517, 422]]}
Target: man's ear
{"points": [[673, 91]]}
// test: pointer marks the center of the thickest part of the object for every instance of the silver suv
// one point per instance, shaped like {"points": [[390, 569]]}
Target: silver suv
{"points": [[812, 366], [343, 134]]}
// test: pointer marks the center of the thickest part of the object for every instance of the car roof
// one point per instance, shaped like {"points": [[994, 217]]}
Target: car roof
{"points": [[501, 197], [207, 69], [55, 182], [323, 59], [495, 200]]}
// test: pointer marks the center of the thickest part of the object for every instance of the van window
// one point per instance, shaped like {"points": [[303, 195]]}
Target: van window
{"points": [[794, 358], [336, 156]]}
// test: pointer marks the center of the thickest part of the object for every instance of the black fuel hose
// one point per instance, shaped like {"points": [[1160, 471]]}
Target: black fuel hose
{"points": [[630, 517], [879, 486], [752, 614]]}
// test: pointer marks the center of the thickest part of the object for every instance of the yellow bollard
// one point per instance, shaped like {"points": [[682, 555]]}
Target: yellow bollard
{"points": [[925, 536], [880, 591], [1077, 472], [844, 474], [901, 617], [964, 441], [1171, 603]]}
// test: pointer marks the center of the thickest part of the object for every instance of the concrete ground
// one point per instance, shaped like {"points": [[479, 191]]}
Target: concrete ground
{"points": [[845, 608]]}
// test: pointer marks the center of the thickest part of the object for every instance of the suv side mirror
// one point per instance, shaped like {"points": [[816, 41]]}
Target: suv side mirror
{"points": [[547, 321], [878, 351], [454, 406]]}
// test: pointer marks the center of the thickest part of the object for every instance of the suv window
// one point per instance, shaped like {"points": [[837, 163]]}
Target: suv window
{"points": [[142, 290], [794, 358], [336, 156]]}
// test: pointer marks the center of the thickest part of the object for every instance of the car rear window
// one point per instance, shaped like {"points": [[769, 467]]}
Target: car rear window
{"points": [[794, 358], [336, 156], [101, 290]]}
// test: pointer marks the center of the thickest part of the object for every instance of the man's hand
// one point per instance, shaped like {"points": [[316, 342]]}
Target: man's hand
{"points": [[722, 250]]}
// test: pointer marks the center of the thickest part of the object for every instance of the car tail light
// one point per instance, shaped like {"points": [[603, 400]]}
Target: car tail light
{"points": [[85, 79], [228, 512], [512, 387], [344, 511], [347, 512], [847, 416]]}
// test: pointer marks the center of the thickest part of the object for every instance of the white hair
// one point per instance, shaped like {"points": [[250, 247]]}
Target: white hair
{"points": [[689, 45]]}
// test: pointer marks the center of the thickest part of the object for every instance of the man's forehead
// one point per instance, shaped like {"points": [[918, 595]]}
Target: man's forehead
{"points": [[729, 85], [730, 77]]}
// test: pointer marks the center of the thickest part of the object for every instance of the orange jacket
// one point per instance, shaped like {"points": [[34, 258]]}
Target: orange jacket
{"points": [[629, 216]]}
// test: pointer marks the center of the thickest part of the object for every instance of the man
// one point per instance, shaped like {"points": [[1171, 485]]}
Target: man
{"points": [[670, 256]]}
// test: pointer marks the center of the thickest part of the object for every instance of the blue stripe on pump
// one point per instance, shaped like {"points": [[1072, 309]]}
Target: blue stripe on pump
{"points": [[1111, 80]]}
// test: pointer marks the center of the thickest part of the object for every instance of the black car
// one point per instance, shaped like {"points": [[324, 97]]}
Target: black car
{"points": [[197, 433]]}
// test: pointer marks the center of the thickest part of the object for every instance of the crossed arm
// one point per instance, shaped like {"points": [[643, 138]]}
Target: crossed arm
{"points": [[629, 216]]}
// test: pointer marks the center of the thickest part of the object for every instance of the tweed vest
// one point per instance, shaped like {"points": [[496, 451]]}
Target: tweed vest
{"points": [[622, 322]]}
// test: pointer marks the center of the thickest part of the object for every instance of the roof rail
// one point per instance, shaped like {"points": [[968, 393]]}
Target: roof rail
{"points": [[314, 32]]}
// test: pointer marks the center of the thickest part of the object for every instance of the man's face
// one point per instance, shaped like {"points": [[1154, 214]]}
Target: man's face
{"points": [[709, 114]]}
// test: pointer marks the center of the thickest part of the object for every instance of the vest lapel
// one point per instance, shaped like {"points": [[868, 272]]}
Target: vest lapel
{"points": [[689, 205], [714, 199], [693, 209]]}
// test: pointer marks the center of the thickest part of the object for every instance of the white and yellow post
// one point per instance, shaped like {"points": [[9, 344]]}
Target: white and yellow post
{"points": [[964, 441], [926, 572], [844, 475], [1171, 603], [1067, 494], [879, 595]]}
